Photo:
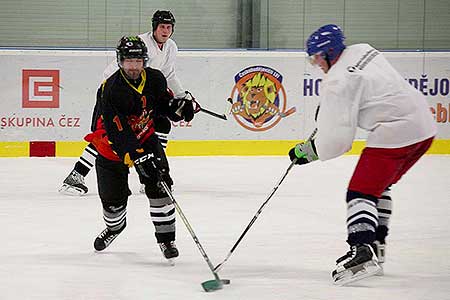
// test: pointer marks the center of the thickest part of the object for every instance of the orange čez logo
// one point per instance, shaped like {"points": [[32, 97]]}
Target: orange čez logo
{"points": [[40, 88], [258, 98]]}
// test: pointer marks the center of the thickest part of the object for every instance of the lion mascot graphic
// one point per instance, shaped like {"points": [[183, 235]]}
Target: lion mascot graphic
{"points": [[256, 100]]}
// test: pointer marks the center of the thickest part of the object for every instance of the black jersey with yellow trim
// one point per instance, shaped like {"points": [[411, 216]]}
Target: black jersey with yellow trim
{"points": [[127, 108]]}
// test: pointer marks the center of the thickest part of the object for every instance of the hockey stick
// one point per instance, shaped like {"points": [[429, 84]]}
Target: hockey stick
{"points": [[222, 116], [209, 285], [198, 108], [219, 266]]}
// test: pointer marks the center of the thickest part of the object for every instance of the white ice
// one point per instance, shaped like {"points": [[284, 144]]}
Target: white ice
{"points": [[47, 238]]}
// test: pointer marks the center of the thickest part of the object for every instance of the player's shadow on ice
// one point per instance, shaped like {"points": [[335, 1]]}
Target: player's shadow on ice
{"points": [[104, 259], [131, 258]]}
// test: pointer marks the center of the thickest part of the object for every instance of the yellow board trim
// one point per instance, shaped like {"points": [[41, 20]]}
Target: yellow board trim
{"points": [[14, 149], [254, 148], [202, 148], [70, 148], [238, 148], [439, 147]]}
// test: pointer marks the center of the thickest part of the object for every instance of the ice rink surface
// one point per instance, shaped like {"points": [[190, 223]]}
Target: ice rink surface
{"points": [[47, 238]]}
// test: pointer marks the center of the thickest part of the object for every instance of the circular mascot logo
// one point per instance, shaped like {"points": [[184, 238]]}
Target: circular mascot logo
{"points": [[258, 98]]}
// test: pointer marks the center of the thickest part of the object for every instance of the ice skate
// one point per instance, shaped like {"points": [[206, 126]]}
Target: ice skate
{"points": [[169, 250], [105, 238], [73, 185], [380, 251], [360, 262]]}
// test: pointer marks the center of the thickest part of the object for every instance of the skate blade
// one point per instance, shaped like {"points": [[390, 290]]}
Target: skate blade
{"points": [[171, 261], [368, 269], [214, 285], [381, 271], [71, 191]]}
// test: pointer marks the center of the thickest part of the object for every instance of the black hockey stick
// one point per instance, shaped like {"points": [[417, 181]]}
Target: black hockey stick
{"points": [[198, 107], [209, 285], [222, 116], [219, 266]]}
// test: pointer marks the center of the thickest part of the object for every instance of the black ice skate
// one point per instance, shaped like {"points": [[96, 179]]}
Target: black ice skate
{"points": [[105, 238], [169, 250], [74, 185], [360, 262], [380, 251]]}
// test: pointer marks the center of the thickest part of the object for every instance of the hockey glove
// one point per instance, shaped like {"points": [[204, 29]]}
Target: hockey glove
{"points": [[145, 165], [183, 107], [148, 166], [143, 162], [304, 153]]}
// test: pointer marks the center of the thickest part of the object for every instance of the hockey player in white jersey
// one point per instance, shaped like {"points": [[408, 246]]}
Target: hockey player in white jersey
{"points": [[162, 52], [362, 89]]}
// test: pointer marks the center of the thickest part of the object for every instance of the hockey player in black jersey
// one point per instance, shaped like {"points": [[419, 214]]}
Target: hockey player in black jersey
{"points": [[128, 103], [162, 51]]}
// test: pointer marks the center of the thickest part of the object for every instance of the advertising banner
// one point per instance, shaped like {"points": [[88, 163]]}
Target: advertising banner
{"points": [[50, 95]]}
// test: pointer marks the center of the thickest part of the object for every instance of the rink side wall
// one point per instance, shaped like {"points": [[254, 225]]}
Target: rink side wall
{"points": [[48, 95]]}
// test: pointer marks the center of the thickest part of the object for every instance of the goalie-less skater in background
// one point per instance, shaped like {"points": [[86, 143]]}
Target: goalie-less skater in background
{"points": [[128, 102], [362, 89], [162, 52]]}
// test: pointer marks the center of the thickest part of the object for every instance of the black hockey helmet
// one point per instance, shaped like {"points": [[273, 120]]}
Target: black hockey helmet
{"points": [[131, 47], [163, 17]]}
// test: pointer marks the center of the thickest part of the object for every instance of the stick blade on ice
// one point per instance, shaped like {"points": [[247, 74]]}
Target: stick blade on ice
{"points": [[214, 285]]}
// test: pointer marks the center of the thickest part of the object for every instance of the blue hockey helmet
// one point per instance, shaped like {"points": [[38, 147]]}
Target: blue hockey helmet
{"points": [[328, 39]]}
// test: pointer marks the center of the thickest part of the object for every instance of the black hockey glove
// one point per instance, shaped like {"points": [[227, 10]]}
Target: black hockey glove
{"points": [[149, 166], [304, 153], [142, 161], [145, 165], [183, 107]]}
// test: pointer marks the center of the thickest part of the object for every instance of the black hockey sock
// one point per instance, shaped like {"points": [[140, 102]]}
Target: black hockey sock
{"points": [[384, 207], [381, 234], [115, 217], [362, 218], [86, 161], [162, 214], [81, 169], [163, 218], [165, 237]]}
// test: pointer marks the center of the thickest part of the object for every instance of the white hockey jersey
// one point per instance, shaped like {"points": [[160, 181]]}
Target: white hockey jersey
{"points": [[363, 90], [163, 60]]}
